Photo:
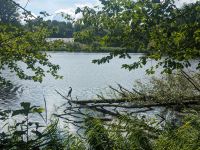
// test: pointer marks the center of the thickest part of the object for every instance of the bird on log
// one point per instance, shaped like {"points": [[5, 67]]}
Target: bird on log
{"points": [[70, 92]]}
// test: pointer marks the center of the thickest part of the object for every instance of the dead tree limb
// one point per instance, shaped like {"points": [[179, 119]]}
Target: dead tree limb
{"points": [[190, 80]]}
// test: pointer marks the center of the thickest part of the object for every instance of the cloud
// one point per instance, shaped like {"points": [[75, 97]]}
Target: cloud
{"points": [[81, 5], [71, 11], [68, 11], [180, 3]]}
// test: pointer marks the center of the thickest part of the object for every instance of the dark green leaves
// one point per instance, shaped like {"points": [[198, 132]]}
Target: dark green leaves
{"points": [[27, 109]]}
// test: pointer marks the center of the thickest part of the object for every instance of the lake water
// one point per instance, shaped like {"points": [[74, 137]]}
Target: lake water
{"points": [[85, 78]]}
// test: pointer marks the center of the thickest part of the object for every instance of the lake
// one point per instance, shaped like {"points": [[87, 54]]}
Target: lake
{"points": [[86, 79]]}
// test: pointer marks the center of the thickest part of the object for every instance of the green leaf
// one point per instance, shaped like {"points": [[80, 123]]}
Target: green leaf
{"points": [[38, 110], [26, 105], [18, 112], [19, 133]]}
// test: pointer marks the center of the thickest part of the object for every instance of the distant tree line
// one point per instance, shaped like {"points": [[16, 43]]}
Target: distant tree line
{"points": [[58, 29]]}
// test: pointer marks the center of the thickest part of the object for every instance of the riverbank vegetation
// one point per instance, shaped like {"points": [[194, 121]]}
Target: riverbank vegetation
{"points": [[93, 48], [162, 114]]}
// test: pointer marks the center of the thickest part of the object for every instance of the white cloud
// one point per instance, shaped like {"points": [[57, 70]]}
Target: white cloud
{"points": [[84, 4], [71, 11], [180, 3], [68, 11]]}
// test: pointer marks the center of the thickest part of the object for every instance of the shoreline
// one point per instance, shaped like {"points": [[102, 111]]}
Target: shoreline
{"points": [[87, 52]]}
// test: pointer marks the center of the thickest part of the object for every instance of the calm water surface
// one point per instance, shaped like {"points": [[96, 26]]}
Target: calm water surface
{"points": [[85, 78]]}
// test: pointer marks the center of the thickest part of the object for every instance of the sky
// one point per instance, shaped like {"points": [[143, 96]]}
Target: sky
{"points": [[68, 6], [55, 6]]}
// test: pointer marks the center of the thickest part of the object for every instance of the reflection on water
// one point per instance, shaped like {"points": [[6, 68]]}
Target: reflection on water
{"points": [[85, 78]]}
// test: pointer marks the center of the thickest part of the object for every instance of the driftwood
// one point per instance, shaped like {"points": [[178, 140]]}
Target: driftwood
{"points": [[110, 102]]}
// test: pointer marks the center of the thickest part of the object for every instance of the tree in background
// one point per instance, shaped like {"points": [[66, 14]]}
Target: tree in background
{"points": [[9, 12], [60, 29]]}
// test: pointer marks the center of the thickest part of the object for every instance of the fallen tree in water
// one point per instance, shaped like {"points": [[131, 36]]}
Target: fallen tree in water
{"points": [[122, 122], [126, 103], [169, 98]]}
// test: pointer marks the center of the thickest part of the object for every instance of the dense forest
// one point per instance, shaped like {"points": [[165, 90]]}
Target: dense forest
{"points": [[169, 35]]}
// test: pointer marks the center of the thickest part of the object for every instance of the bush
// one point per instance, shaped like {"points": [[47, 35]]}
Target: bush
{"points": [[20, 132]]}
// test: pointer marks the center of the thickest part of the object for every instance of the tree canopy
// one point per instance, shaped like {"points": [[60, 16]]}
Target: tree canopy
{"points": [[169, 34]]}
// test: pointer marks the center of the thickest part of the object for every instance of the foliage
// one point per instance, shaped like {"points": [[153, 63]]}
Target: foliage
{"points": [[19, 131], [169, 88], [79, 47], [71, 47], [61, 29], [22, 47], [170, 35], [58, 29], [185, 137], [126, 134], [85, 36], [144, 134], [97, 135]]}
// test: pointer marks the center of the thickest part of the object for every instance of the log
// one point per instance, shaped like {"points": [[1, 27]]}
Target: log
{"points": [[112, 102]]}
